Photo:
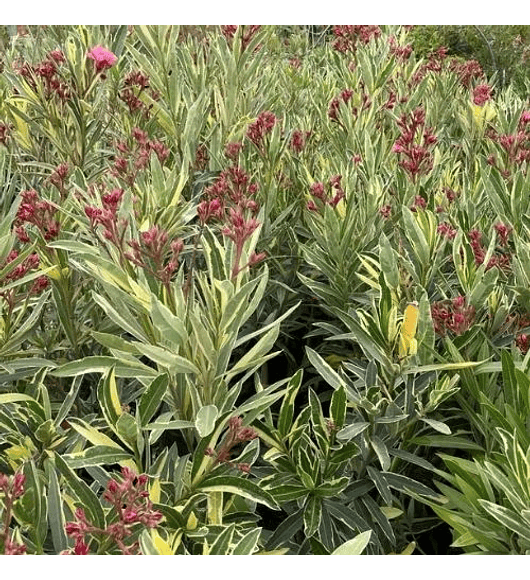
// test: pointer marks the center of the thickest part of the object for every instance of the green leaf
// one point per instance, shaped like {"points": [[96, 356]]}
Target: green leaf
{"points": [[286, 530], [351, 431], [510, 386], [108, 398], [312, 515], [337, 407], [127, 429], [285, 417], [447, 367], [437, 425], [378, 517], [175, 424], [147, 545], [97, 455], [92, 434], [102, 364], [324, 369], [284, 493], [390, 512], [254, 405], [411, 458], [403, 483], [68, 401], [238, 486], [247, 544], [205, 420], [126, 322], [416, 237], [87, 499], [452, 441], [152, 398], [171, 328], [174, 362], [113, 342], [508, 518], [221, 545], [257, 355], [354, 547], [317, 547], [387, 257], [56, 517], [332, 488], [381, 451], [347, 516], [63, 307], [39, 506], [173, 518], [381, 484], [15, 398], [276, 322], [317, 416]]}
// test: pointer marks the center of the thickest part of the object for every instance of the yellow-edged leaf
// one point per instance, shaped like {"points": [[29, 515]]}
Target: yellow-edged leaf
{"points": [[407, 341], [154, 491], [164, 549]]}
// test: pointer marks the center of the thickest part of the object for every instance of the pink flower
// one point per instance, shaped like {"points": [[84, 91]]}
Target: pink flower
{"points": [[419, 202], [525, 118], [481, 94], [57, 56], [453, 315], [232, 150], [256, 258], [262, 126], [385, 211], [4, 133], [80, 548], [298, 140], [13, 549], [295, 62], [446, 231], [503, 231], [102, 57], [317, 190]]}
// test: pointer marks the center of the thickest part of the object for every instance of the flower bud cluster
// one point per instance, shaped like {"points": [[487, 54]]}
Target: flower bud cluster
{"points": [[11, 488], [322, 195], [237, 433], [347, 37], [130, 503], [247, 32], [452, 315], [49, 73]]}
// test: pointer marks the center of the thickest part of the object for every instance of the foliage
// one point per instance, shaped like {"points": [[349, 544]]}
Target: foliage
{"points": [[251, 281], [501, 50]]}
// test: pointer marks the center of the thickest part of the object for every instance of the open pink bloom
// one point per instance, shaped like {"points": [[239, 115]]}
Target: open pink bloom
{"points": [[102, 57]]}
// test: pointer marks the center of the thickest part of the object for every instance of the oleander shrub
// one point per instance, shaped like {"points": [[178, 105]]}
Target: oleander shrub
{"points": [[501, 50], [262, 291]]}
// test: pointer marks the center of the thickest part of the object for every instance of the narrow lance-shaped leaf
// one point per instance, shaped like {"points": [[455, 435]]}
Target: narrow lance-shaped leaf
{"points": [[87, 499], [312, 515], [108, 398], [97, 455], [56, 517], [221, 545], [247, 544], [238, 486], [286, 414], [354, 547], [152, 398]]}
